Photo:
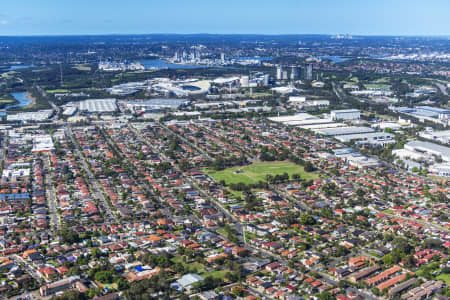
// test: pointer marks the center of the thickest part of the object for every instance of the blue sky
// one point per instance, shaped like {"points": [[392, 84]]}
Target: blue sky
{"points": [[364, 17]]}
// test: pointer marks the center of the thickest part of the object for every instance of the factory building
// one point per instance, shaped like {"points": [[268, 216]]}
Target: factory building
{"points": [[440, 136], [98, 105], [345, 114], [348, 130], [429, 149], [374, 138], [440, 170]]}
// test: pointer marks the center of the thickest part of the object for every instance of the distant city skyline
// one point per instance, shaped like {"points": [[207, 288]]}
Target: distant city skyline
{"points": [[355, 17]]}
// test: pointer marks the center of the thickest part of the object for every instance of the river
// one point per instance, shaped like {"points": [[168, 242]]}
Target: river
{"points": [[23, 99], [336, 59]]}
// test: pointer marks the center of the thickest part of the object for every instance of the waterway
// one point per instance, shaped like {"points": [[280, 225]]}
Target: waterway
{"points": [[23, 99], [336, 59], [19, 67], [253, 58]]}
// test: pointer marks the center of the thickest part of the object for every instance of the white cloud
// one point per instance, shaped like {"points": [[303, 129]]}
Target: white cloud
{"points": [[3, 22]]}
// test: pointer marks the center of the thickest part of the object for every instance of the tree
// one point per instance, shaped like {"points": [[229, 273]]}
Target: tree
{"points": [[218, 164], [326, 212], [432, 243], [69, 236], [307, 219], [387, 259], [402, 245], [309, 166], [296, 176], [70, 295], [325, 296], [122, 284], [140, 155], [104, 276]]}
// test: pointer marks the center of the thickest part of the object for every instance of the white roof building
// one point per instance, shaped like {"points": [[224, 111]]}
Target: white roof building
{"points": [[345, 114], [429, 149], [440, 169], [43, 143], [98, 105]]}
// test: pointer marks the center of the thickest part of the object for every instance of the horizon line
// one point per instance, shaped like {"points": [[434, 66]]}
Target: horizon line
{"points": [[226, 34]]}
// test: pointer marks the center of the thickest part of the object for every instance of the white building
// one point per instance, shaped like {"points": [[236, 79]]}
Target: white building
{"points": [[317, 103], [36, 116], [296, 117], [429, 149], [70, 111], [344, 130], [345, 114], [43, 143], [440, 136], [419, 150], [279, 73], [440, 170], [393, 125], [98, 105], [297, 100], [244, 81], [284, 90], [375, 138]]}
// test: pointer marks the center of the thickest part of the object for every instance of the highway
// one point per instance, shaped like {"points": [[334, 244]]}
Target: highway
{"points": [[338, 91], [442, 87]]}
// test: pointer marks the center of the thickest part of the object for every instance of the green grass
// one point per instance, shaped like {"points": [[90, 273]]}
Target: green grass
{"points": [[6, 101], [57, 91], [82, 68], [216, 274], [354, 79], [236, 194], [258, 171], [110, 285], [9, 74], [194, 267], [445, 278], [250, 236], [260, 94], [177, 259], [221, 231], [376, 86], [383, 80], [428, 269]]}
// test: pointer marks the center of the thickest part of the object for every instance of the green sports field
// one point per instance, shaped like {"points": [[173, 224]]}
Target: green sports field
{"points": [[376, 86], [57, 91], [258, 171]]}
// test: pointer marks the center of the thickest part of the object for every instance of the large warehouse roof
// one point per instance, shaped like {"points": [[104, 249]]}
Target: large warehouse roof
{"points": [[297, 117], [98, 105], [344, 130], [429, 148]]}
